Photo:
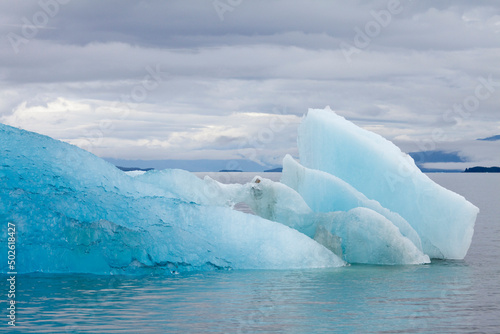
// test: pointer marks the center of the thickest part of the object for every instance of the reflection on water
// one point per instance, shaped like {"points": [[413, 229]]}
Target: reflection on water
{"points": [[445, 296], [401, 299]]}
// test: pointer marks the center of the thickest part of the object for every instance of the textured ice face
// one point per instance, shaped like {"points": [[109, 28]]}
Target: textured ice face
{"points": [[76, 213], [368, 237], [324, 192], [360, 235], [377, 168]]}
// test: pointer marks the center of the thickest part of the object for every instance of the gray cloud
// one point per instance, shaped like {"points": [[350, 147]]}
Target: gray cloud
{"points": [[85, 76]]}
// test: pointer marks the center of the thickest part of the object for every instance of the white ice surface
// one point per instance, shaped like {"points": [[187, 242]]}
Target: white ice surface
{"points": [[377, 168]]}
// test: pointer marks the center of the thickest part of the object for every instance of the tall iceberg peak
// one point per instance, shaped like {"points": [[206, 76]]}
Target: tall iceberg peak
{"points": [[377, 168]]}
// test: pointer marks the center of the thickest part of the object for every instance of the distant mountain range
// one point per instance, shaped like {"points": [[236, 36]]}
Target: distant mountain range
{"points": [[436, 156], [492, 138], [480, 169], [440, 156], [201, 165], [274, 170], [129, 169], [241, 165]]}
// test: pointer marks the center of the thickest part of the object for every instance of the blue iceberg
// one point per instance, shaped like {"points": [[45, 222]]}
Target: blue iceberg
{"points": [[74, 212], [377, 168], [359, 235]]}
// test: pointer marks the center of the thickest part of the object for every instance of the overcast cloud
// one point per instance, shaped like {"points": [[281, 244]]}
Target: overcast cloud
{"points": [[231, 79]]}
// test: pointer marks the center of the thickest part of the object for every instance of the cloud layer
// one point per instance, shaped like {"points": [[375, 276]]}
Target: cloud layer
{"points": [[231, 79]]}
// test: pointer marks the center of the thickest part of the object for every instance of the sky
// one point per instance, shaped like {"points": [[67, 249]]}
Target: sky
{"points": [[232, 79]]}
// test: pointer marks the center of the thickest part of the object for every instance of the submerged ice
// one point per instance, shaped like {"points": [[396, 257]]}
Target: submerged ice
{"points": [[347, 201]]}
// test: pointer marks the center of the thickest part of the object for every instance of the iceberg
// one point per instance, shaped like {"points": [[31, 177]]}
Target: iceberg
{"points": [[384, 244], [354, 197], [324, 192], [367, 237], [74, 212], [378, 169], [360, 235]]}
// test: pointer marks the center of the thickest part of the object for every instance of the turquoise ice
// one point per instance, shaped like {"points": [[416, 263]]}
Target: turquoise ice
{"points": [[74, 212], [354, 197], [377, 168]]}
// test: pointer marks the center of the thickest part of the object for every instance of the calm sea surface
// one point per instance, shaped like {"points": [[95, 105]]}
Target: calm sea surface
{"points": [[443, 297]]}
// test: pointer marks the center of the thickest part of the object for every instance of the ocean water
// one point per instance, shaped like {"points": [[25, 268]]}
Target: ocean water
{"points": [[442, 297]]}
